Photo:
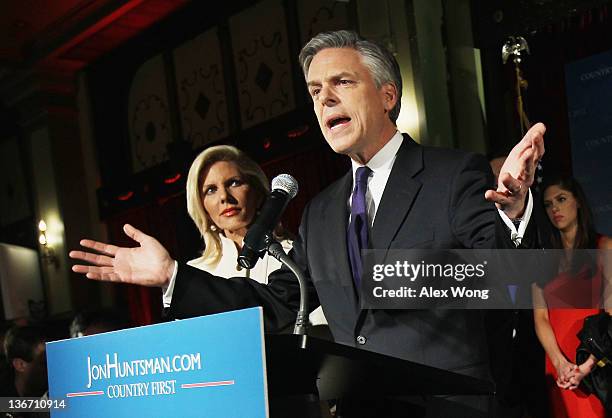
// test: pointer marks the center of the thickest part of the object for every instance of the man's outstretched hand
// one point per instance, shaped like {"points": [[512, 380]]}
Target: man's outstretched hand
{"points": [[149, 264], [518, 172]]}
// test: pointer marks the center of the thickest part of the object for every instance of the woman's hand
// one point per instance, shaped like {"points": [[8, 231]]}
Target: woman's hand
{"points": [[565, 371], [581, 372]]}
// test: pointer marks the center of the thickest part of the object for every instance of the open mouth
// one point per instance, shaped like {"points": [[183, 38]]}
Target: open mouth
{"points": [[336, 122]]}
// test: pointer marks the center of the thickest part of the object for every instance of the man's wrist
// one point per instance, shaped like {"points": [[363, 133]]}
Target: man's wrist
{"points": [[169, 272], [518, 215]]}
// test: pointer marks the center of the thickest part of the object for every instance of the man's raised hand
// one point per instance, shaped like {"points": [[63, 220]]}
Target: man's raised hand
{"points": [[148, 264], [518, 172]]}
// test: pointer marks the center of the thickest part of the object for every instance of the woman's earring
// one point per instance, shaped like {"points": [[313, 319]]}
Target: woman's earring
{"points": [[213, 228]]}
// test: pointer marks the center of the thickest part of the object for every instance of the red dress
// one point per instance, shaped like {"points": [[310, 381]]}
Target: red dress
{"points": [[565, 324]]}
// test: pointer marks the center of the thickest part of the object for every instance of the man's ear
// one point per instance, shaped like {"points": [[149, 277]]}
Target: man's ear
{"points": [[20, 364], [389, 93]]}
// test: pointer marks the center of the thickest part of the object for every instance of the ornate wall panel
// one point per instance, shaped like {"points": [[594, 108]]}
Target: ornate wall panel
{"points": [[201, 90], [321, 15], [14, 205], [263, 65], [149, 120]]}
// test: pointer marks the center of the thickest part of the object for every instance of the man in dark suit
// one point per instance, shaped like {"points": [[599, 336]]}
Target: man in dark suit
{"points": [[398, 195]]}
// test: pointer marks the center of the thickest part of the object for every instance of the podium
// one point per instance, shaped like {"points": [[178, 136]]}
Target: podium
{"points": [[222, 365], [303, 370]]}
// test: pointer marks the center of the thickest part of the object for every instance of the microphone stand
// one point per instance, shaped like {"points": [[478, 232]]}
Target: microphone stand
{"points": [[301, 322]]}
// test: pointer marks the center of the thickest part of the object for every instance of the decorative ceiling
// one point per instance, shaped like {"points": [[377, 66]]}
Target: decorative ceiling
{"points": [[65, 35]]}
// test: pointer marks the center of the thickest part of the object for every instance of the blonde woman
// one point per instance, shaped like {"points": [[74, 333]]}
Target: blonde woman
{"points": [[225, 188]]}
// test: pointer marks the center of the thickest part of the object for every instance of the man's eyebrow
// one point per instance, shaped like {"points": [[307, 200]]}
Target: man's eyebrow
{"points": [[342, 75], [332, 77]]}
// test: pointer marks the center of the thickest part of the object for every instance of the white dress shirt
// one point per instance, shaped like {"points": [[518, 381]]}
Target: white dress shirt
{"points": [[380, 164]]}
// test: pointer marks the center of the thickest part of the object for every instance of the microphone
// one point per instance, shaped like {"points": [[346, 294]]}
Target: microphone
{"points": [[259, 235]]}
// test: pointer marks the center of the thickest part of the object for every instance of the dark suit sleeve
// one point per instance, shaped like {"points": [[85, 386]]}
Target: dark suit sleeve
{"points": [[476, 222], [472, 218], [197, 292]]}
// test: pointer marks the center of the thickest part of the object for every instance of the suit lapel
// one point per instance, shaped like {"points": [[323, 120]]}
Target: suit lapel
{"points": [[399, 194], [336, 212], [397, 199]]}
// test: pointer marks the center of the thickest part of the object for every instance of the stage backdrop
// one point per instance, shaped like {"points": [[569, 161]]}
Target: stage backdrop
{"points": [[589, 93]]}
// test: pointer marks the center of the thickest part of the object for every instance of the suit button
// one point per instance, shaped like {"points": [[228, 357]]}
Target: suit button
{"points": [[361, 340]]}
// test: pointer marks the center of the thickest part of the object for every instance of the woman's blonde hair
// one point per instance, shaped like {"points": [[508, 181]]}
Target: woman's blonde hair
{"points": [[253, 175]]}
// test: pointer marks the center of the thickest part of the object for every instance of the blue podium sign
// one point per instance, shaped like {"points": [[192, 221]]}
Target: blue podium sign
{"points": [[210, 366]]}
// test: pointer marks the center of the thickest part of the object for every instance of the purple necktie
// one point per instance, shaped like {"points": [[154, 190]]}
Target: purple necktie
{"points": [[357, 234]]}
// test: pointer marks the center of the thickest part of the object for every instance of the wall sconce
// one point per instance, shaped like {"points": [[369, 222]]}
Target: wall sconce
{"points": [[48, 254]]}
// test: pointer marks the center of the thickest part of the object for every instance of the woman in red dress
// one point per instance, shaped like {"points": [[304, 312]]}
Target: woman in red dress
{"points": [[568, 211]]}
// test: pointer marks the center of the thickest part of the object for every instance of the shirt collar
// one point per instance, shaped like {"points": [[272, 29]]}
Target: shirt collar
{"points": [[384, 158]]}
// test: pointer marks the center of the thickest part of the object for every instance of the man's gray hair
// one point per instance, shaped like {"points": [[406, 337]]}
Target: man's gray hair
{"points": [[382, 64]]}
